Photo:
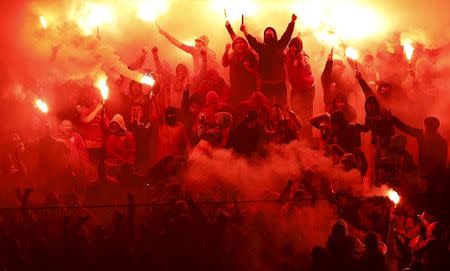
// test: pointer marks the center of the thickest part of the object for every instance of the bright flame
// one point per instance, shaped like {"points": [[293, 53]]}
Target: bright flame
{"points": [[351, 53], [408, 48], [102, 86], [150, 10], [333, 22], [147, 80], [43, 21], [393, 196], [235, 8], [94, 15], [41, 105]]}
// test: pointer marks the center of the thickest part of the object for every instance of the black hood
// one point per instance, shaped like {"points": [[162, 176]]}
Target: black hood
{"points": [[373, 100], [273, 29]]}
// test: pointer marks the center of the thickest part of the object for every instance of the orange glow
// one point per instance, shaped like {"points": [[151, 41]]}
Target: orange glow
{"points": [[351, 53], [102, 86], [147, 80], [333, 21], [93, 15], [150, 10], [41, 105], [393, 196], [234, 9], [43, 22], [408, 48]]}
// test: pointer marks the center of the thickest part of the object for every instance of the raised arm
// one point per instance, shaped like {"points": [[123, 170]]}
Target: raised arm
{"points": [[157, 61], [326, 78], [139, 62], [256, 45], [226, 56], [317, 120], [174, 41], [230, 30], [91, 116], [364, 86], [284, 41], [415, 132]]}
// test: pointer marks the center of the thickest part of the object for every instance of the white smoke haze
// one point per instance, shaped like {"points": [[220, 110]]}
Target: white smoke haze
{"points": [[253, 179]]}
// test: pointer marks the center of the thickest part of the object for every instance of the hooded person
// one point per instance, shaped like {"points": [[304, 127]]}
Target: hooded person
{"points": [[346, 135], [256, 102], [271, 61], [201, 44], [120, 148], [373, 258], [340, 103], [433, 148], [243, 65], [171, 135], [379, 120], [344, 249], [302, 81]]}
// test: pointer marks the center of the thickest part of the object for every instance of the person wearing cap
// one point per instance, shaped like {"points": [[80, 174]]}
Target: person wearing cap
{"points": [[271, 61], [120, 148], [243, 67], [201, 44]]}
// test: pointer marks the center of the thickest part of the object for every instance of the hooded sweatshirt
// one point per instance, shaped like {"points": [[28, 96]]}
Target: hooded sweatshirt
{"points": [[120, 147], [242, 81], [271, 55]]}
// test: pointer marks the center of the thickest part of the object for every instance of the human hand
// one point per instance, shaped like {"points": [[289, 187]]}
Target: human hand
{"points": [[294, 18]]}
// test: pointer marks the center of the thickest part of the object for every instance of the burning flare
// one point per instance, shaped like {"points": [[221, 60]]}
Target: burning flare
{"points": [[393, 196], [408, 48], [94, 15], [43, 22], [147, 80], [102, 86], [333, 22], [150, 10], [351, 53], [41, 105], [234, 9]]}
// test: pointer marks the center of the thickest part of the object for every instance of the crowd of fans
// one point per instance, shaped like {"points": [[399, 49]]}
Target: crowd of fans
{"points": [[139, 144]]}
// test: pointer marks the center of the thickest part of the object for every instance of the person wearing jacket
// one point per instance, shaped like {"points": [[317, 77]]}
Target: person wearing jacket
{"points": [[120, 149], [243, 67], [302, 81], [271, 60]]}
